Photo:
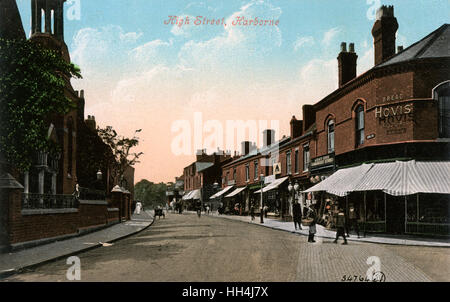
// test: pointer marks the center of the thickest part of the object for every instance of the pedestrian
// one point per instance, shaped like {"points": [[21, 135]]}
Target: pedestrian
{"points": [[266, 210], [340, 225], [207, 209], [352, 220], [297, 212], [138, 208], [252, 212], [312, 227]]}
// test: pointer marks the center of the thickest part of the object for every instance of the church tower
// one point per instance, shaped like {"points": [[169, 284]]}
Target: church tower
{"points": [[47, 16]]}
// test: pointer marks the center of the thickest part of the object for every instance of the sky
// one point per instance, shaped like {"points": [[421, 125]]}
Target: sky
{"points": [[182, 84]]}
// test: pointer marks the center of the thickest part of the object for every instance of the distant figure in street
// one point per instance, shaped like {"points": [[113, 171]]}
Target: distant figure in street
{"points": [[207, 209], [138, 208], [252, 212], [266, 210], [76, 191], [352, 220], [199, 208], [340, 225], [312, 227], [297, 211]]}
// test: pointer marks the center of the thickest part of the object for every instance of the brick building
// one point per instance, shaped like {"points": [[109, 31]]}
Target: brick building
{"points": [[202, 177], [41, 204], [393, 117]]}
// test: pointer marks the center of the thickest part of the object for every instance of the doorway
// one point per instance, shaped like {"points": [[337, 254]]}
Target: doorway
{"points": [[395, 214]]}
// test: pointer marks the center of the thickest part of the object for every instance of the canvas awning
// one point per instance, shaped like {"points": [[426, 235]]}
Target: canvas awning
{"points": [[195, 194], [221, 192], [274, 185], [394, 178], [236, 192]]}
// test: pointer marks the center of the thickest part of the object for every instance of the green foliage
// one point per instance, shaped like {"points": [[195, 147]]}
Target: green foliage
{"points": [[32, 81], [151, 194], [121, 149]]}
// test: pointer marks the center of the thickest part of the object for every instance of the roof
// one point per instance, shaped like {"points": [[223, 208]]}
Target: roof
{"points": [[201, 166], [435, 45], [10, 22]]}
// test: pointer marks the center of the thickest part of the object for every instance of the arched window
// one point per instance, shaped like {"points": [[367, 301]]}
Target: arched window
{"points": [[359, 123], [330, 132], [442, 95]]}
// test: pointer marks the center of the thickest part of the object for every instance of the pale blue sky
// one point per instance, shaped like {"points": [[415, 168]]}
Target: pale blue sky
{"points": [[142, 74]]}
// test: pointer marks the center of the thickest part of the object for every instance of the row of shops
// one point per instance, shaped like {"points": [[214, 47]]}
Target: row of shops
{"points": [[399, 197]]}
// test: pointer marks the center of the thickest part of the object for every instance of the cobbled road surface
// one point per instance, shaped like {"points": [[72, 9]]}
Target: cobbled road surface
{"points": [[209, 249]]}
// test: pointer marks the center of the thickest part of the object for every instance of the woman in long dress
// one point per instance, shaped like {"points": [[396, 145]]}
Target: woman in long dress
{"points": [[138, 208]]}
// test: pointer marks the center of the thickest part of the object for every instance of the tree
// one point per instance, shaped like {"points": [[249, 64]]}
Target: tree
{"points": [[150, 194], [121, 149], [32, 82]]}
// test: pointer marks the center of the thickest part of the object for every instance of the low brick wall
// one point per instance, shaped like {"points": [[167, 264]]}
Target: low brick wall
{"points": [[31, 225]]}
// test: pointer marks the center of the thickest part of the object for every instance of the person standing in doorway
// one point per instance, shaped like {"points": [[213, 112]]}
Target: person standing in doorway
{"points": [[297, 213], [340, 225], [353, 220]]}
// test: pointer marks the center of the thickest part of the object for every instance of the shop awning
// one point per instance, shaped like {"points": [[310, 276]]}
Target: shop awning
{"points": [[195, 194], [394, 178], [221, 192], [236, 192], [273, 185]]}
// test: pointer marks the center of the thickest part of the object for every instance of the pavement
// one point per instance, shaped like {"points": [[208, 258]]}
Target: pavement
{"points": [[325, 233], [15, 262]]}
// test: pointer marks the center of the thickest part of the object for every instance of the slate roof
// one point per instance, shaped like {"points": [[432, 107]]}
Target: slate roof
{"points": [[200, 166], [435, 45]]}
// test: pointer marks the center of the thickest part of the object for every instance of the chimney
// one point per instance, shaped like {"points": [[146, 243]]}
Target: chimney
{"points": [[399, 49], [296, 127], [383, 32], [90, 123], [309, 116], [245, 148], [268, 137], [347, 64]]}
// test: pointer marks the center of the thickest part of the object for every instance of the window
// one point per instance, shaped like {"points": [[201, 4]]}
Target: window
{"points": [[442, 95], [296, 161], [247, 172], [70, 147], [288, 162], [331, 136], [306, 158], [256, 170], [234, 174], [359, 125]]}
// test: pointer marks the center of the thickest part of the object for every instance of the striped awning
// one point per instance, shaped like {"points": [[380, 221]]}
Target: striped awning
{"points": [[394, 178], [195, 194], [236, 192], [273, 185], [221, 192]]}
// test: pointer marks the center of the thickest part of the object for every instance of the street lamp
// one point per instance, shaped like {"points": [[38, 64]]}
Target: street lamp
{"points": [[262, 202]]}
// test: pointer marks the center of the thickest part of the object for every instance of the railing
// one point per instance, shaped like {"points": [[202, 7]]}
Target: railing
{"points": [[90, 194], [33, 201], [425, 228]]}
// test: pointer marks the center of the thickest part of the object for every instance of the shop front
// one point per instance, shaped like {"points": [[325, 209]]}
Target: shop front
{"points": [[396, 197], [234, 200], [276, 198]]}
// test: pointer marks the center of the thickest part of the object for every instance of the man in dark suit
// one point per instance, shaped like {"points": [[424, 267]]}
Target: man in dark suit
{"points": [[297, 212]]}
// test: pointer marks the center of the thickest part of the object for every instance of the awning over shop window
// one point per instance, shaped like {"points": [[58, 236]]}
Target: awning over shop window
{"points": [[195, 194], [221, 192], [273, 185], [236, 192], [395, 178]]}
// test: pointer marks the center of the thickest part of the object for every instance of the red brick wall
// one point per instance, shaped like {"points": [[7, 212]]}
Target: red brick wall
{"points": [[23, 228]]}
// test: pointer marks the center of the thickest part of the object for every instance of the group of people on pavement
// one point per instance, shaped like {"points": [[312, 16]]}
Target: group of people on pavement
{"points": [[343, 223]]}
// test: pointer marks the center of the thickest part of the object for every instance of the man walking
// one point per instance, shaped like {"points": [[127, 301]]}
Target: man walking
{"points": [[352, 220], [297, 212], [340, 225]]}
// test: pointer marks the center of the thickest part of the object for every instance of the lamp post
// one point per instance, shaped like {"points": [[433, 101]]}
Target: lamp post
{"points": [[216, 187], [262, 202]]}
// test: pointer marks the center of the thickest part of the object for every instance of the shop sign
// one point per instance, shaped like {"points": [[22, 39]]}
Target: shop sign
{"points": [[277, 168], [231, 182], [322, 161], [269, 179]]}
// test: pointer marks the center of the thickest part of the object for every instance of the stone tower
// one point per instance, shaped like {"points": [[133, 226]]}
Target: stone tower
{"points": [[42, 12]]}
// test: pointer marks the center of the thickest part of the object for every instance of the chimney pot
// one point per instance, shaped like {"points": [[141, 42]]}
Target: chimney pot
{"points": [[352, 47], [343, 47], [400, 49]]}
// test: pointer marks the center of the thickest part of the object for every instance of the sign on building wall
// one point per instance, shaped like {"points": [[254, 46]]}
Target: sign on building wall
{"points": [[395, 118], [277, 168]]}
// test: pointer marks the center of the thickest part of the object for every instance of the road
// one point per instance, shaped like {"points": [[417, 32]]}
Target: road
{"points": [[187, 248]]}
